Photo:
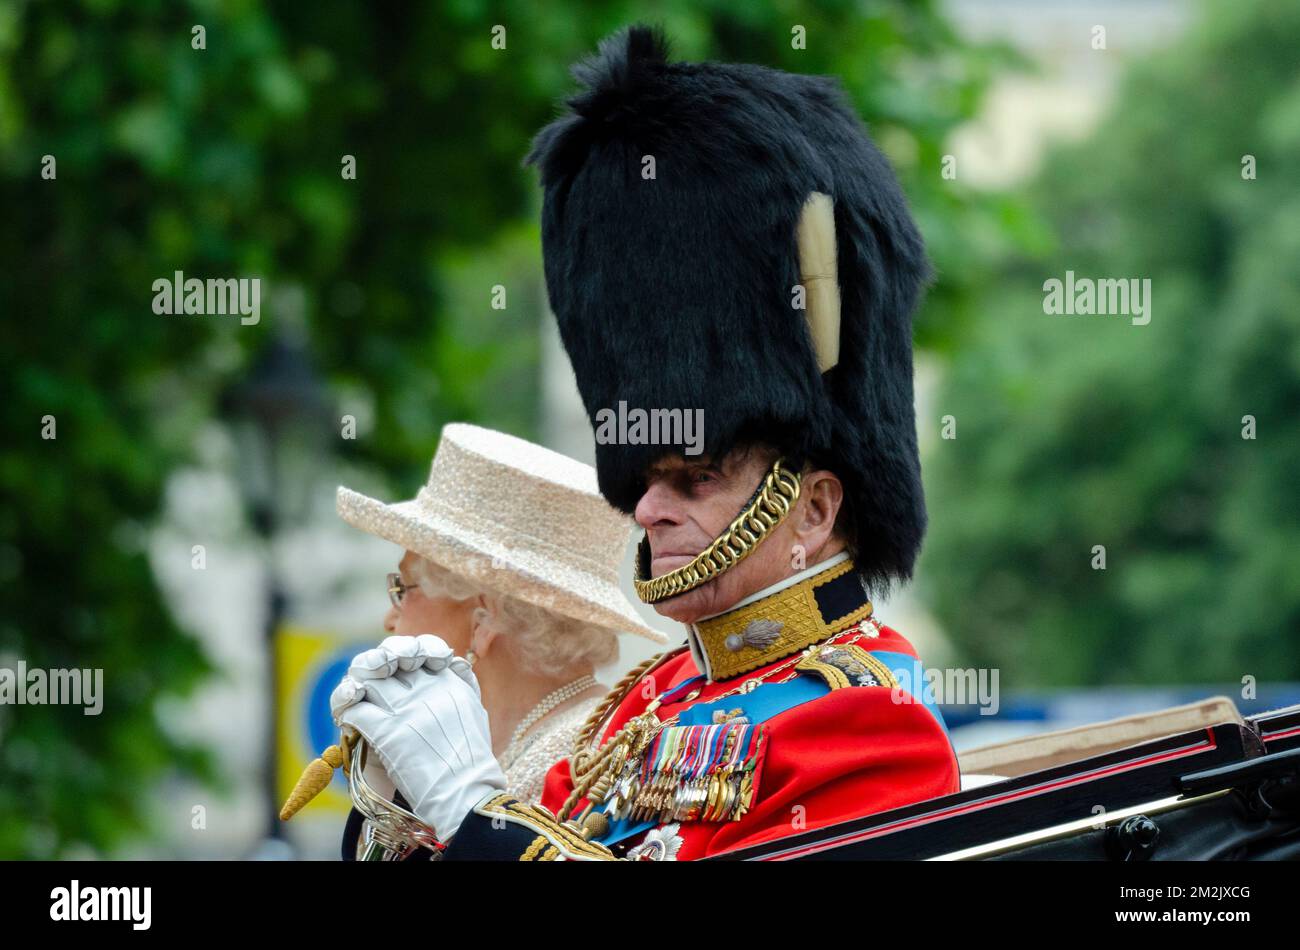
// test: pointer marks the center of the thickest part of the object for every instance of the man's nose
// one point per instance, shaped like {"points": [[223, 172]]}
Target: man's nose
{"points": [[657, 507], [390, 619]]}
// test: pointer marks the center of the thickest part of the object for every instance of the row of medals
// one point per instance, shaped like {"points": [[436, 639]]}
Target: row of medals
{"points": [[669, 796]]}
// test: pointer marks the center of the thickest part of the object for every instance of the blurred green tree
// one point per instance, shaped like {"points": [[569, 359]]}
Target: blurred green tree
{"points": [[1077, 431], [226, 158]]}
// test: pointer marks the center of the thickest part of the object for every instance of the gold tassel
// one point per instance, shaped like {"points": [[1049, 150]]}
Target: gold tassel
{"points": [[314, 779]]}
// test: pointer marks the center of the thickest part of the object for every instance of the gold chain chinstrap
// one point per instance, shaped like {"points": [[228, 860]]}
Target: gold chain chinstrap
{"points": [[779, 492]]}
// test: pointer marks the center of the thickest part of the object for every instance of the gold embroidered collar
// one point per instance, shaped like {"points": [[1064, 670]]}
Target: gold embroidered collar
{"points": [[780, 620]]}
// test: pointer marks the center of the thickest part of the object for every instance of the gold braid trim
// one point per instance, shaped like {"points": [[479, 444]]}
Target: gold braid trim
{"points": [[535, 818], [531, 852], [585, 761], [779, 492], [588, 732]]}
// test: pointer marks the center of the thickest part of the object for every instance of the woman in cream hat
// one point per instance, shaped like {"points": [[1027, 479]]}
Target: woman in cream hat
{"points": [[512, 558]]}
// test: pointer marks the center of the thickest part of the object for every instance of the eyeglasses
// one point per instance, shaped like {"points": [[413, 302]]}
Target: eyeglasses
{"points": [[397, 589]]}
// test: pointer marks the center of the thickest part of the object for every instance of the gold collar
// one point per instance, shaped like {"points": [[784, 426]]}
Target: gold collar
{"points": [[780, 621]]}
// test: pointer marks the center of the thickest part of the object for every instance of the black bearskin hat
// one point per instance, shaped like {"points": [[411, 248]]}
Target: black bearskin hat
{"points": [[675, 291]]}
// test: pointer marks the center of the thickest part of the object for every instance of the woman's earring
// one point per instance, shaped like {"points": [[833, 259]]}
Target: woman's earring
{"points": [[471, 658]]}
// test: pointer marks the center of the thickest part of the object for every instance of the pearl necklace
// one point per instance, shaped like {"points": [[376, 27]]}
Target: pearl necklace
{"points": [[549, 702]]}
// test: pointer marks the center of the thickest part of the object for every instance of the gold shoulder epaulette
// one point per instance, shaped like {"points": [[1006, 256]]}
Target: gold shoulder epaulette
{"points": [[846, 664]]}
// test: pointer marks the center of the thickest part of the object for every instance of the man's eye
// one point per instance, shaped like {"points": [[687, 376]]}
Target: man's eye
{"points": [[700, 477]]}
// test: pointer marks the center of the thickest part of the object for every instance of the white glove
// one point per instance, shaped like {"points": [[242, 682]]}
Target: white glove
{"points": [[417, 705]]}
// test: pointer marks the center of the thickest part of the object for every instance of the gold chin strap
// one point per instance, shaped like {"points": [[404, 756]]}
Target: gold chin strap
{"points": [[773, 501]]}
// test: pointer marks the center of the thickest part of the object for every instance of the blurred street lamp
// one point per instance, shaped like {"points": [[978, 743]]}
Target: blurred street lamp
{"points": [[279, 418]]}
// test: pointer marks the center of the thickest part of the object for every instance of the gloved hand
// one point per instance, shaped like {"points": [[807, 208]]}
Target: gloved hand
{"points": [[417, 705]]}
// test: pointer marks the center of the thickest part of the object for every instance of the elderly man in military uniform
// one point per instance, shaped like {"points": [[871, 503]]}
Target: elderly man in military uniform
{"points": [[766, 272]]}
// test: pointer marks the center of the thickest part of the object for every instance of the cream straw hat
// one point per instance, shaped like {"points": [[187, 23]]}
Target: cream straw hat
{"points": [[520, 519]]}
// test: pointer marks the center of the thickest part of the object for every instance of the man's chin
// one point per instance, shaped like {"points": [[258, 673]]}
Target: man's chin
{"points": [[690, 606]]}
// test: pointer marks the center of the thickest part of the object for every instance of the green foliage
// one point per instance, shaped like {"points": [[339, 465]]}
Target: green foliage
{"points": [[1075, 431], [226, 162]]}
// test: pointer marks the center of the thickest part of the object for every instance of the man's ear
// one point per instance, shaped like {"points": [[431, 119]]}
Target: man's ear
{"points": [[481, 633], [821, 495]]}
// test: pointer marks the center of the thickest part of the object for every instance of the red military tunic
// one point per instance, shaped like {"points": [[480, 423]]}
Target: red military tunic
{"points": [[843, 754], [793, 710]]}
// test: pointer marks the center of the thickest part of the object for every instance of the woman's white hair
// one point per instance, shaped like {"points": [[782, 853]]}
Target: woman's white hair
{"points": [[540, 639]]}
